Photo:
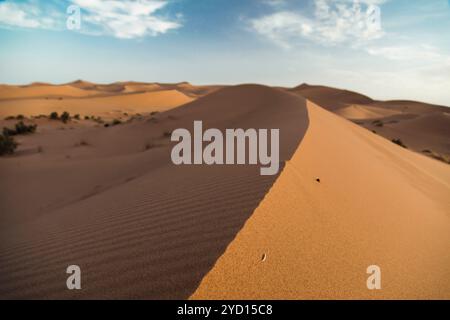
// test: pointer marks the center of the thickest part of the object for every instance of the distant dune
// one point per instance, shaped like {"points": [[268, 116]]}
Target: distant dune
{"points": [[420, 126], [110, 100]]}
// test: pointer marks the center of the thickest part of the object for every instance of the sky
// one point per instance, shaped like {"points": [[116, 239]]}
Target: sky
{"points": [[387, 49]]}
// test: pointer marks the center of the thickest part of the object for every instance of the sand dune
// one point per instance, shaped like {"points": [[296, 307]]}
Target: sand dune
{"points": [[42, 91], [361, 112], [420, 126], [331, 98], [111, 201], [138, 226], [107, 106], [376, 203]]}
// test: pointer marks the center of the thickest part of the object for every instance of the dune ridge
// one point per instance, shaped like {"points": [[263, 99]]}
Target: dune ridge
{"points": [[376, 203], [145, 228]]}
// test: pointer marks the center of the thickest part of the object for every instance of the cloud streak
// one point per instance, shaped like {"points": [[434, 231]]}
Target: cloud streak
{"points": [[332, 22], [124, 19]]}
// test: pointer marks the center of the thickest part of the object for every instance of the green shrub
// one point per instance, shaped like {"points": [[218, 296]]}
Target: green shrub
{"points": [[7, 145], [22, 128], [65, 116], [378, 123], [54, 115], [399, 142]]}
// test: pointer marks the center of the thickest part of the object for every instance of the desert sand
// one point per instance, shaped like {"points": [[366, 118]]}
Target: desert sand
{"points": [[111, 201], [137, 225], [422, 127], [376, 203]]}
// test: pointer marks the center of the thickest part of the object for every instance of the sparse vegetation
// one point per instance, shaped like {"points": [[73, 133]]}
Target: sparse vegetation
{"points": [[7, 145], [116, 122], [86, 118], [437, 156], [154, 113], [18, 117], [400, 143], [65, 117], [76, 117], [54, 115], [97, 119], [82, 143], [378, 123], [21, 128]]}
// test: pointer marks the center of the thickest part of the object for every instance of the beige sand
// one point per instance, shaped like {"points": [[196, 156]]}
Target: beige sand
{"points": [[107, 106], [420, 126], [137, 225], [377, 203]]}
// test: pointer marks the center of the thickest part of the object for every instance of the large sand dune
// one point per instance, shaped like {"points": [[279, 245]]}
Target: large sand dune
{"points": [[111, 201], [138, 226], [376, 204]]}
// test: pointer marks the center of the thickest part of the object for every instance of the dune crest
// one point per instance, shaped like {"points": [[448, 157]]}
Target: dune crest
{"points": [[348, 199]]}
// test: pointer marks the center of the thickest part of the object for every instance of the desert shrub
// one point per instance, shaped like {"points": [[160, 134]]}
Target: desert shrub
{"points": [[400, 143], [65, 116], [82, 143], [378, 123], [154, 112], [116, 122], [86, 118], [20, 117], [97, 119], [106, 125], [54, 115], [7, 145], [10, 118], [22, 128], [8, 131], [77, 117]]}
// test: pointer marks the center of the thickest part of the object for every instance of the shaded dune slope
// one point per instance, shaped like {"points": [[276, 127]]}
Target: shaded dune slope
{"points": [[376, 204], [156, 229]]}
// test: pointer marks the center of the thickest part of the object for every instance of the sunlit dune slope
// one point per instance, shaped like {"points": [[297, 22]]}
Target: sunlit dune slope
{"points": [[348, 199]]}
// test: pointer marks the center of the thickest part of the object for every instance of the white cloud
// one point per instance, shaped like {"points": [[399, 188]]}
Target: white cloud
{"points": [[122, 19], [332, 22], [25, 15], [126, 19], [418, 53]]}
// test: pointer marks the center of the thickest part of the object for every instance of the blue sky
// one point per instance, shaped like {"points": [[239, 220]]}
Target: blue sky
{"points": [[388, 49]]}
